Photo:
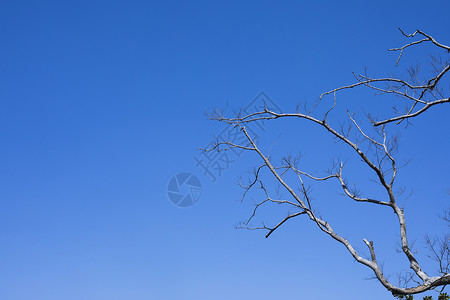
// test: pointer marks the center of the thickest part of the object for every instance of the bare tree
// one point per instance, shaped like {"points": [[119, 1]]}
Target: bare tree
{"points": [[375, 147], [446, 216]]}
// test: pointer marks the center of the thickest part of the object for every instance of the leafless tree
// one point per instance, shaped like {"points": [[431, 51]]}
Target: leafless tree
{"points": [[377, 151], [446, 216]]}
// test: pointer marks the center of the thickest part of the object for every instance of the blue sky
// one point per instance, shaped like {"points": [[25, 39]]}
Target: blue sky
{"points": [[102, 102]]}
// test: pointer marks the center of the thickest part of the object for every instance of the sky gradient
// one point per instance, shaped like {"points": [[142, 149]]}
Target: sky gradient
{"points": [[103, 102]]}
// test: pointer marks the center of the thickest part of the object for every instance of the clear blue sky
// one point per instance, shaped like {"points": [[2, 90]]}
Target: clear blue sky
{"points": [[102, 102]]}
